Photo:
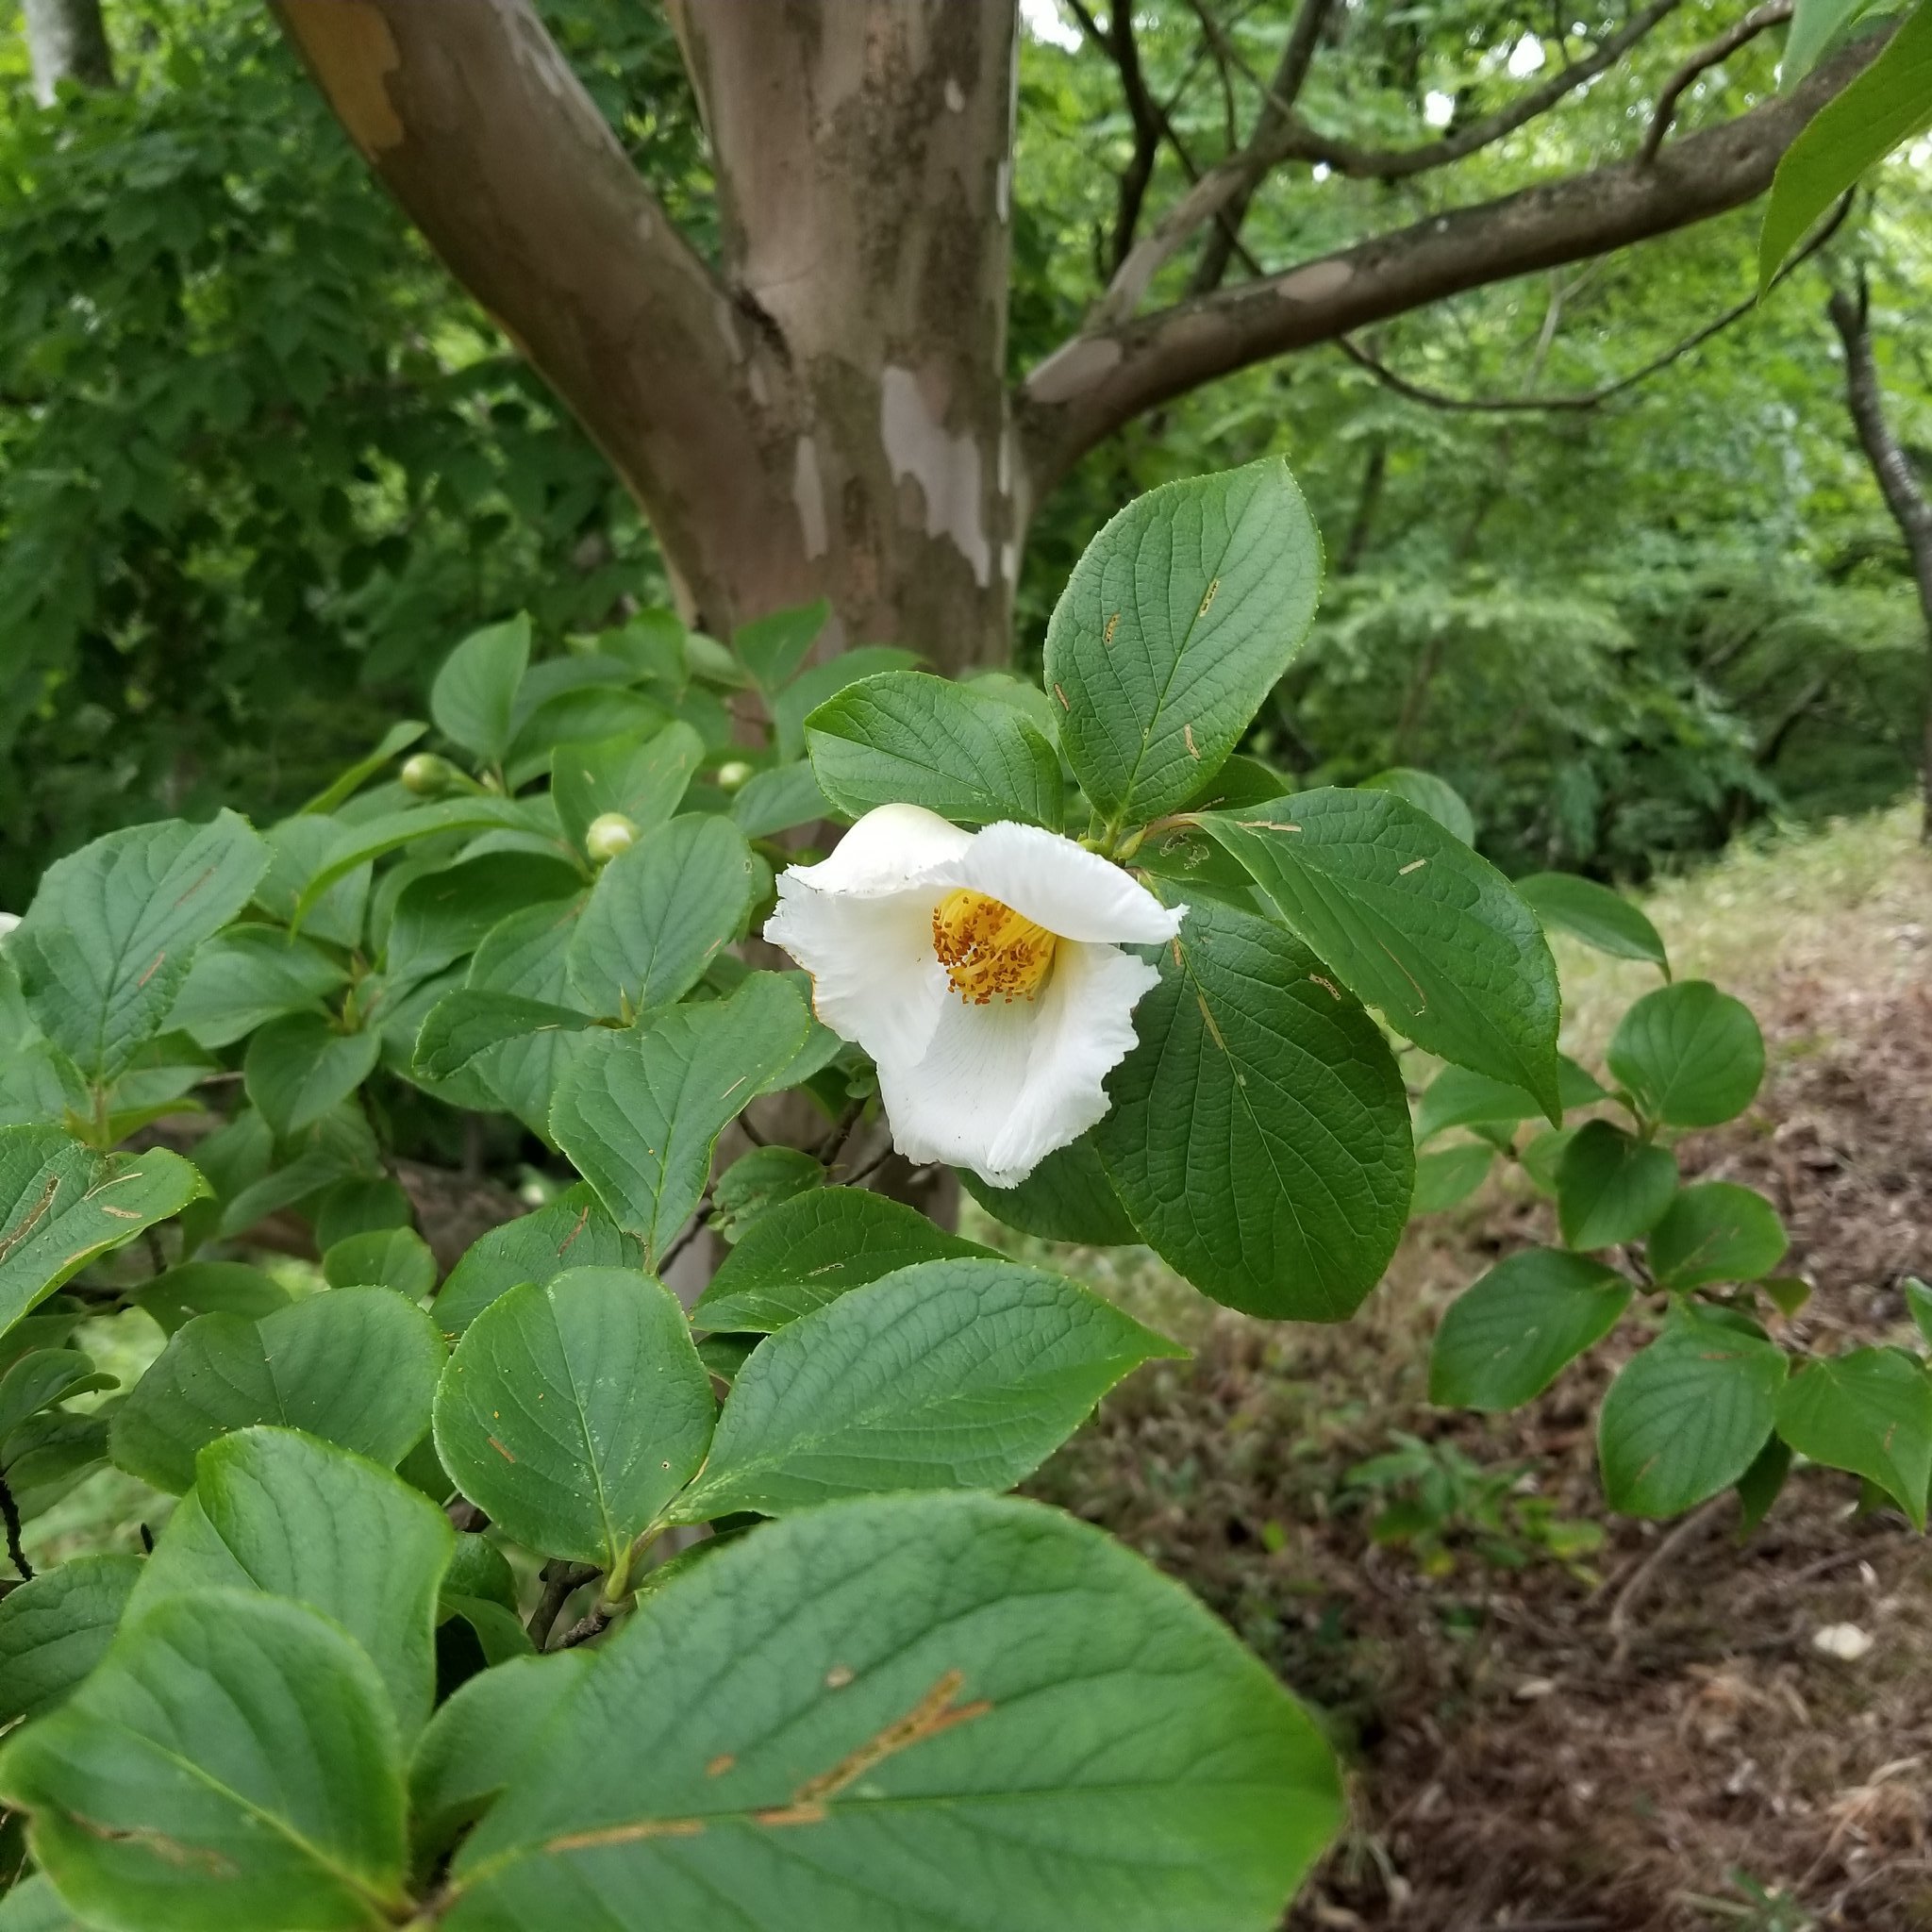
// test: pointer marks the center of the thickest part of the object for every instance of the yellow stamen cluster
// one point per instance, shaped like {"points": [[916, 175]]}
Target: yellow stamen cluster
{"points": [[989, 950]]}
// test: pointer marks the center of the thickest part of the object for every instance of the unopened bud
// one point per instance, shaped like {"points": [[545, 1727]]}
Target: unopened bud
{"points": [[428, 775], [732, 775], [609, 834]]}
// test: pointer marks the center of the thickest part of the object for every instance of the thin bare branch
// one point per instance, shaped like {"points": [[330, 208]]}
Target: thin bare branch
{"points": [[1706, 57]]}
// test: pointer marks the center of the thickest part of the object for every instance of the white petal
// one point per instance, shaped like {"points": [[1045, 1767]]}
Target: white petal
{"points": [[874, 979], [888, 850], [1063, 887], [1003, 1086]]}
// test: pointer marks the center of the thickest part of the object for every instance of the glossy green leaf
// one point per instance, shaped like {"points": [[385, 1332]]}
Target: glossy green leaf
{"points": [[1817, 24], [527, 956], [299, 848], [947, 1375], [1506, 1338], [475, 1742], [62, 1205], [175, 1297], [641, 1111], [1068, 1197], [1450, 1176], [1412, 922], [644, 779], [55, 1629], [1759, 1485], [232, 1762], [1430, 794], [818, 682], [574, 1412], [247, 975], [397, 1258], [944, 1666], [107, 945], [1877, 111], [1716, 1232], [807, 1251], [778, 800], [1458, 1098], [1691, 1054], [472, 1020], [355, 1366], [442, 916], [659, 914], [290, 1515], [1595, 915], [1610, 1187], [32, 1905], [774, 648], [301, 1065], [1260, 1134], [44, 1378], [396, 740], [473, 698], [1688, 1416], [573, 1232], [1178, 619], [367, 840], [759, 1181], [1869, 1411], [911, 737]]}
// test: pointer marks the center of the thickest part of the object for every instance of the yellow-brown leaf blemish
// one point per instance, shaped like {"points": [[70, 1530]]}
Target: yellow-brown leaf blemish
{"points": [[1402, 872], [1201, 999], [1060, 694], [1114, 623], [1188, 733], [627, 1834], [1213, 591], [720, 1764], [499, 1448], [933, 1713], [35, 1215], [1327, 985]]}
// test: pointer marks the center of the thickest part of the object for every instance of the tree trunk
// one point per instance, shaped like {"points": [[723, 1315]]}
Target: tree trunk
{"points": [[823, 415], [1905, 496], [66, 40]]}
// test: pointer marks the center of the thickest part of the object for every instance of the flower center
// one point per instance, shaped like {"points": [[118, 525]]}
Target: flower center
{"points": [[987, 949]]}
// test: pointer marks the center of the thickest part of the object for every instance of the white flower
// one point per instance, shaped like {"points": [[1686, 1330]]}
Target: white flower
{"points": [[982, 972]]}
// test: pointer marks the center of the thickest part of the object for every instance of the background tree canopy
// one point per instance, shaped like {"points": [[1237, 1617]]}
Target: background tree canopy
{"points": [[261, 461]]}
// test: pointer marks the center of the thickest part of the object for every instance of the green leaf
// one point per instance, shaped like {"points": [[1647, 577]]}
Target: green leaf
{"points": [[231, 1762], [1869, 1411], [779, 800], [62, 1205], [1716, 1232], [774, 648], [1691, 1054], [175, 1297], [574, 1412], [807, 1253], [397, 1258], [1450, 1176], [247, 975], [949, 1664], [368, 839], [759, 1181], [298, 849], [1759, 1485], [1815, 26], [105, 946], [1260, 1134], [529, 957], [1919, 1301], [283, 1513], [909, 738], [474, 1744], [948, 1374], [573, 1232], [445, 915], [659, 915], [642, 778], [471, 1020], [641, 1111], [1412, 922], [300, 1066], [818, 682], [50, 1455], [361, 1205], [1509, 1335], [1878, 110], [398, 738], [44, 1378], [1178, 621], [1068, 1197], [1687, 1417], [32, 1905], [1595, 915], [1458, 1098], [473, 698], [1610, 1187], [55, 1629], [1428, 794], [355, 1366]]}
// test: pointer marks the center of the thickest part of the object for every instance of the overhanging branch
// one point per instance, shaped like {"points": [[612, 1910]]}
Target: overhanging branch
{"points": [[1104, 378]]}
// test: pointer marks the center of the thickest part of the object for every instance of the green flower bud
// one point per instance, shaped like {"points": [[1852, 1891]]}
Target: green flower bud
{"points": [[732, 775], [609, 834], [428, 775]]}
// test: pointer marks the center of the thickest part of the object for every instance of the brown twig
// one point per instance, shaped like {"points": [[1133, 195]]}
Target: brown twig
{"points": [[593, 1622], [1706, 57], [561, 1581], [699, 1222], [1646, 1572]]}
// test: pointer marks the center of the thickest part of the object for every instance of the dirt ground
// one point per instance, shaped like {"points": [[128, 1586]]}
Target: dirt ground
{"points": [[1540, 1734]]}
